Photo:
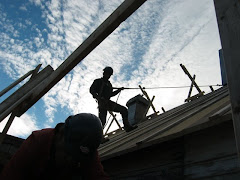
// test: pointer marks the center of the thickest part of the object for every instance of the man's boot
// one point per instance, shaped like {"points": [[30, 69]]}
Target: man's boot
{"points": [[127, 126], [130, 128]]}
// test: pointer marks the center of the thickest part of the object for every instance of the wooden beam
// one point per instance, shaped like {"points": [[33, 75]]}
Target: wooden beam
{"points": [[190, 77], [211, 88], [228, 18], [25, 89], [149, 105], [114, 116], [114, 119], [15, 83], [7, 126], [104, 30], [35, 72], [163, 109], [148, 98], [190, 90]]}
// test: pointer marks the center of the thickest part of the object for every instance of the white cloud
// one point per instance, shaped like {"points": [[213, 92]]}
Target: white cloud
{"points": [[146, 49], [170, 39], [21, 127], [37, 2], [23, 8]]}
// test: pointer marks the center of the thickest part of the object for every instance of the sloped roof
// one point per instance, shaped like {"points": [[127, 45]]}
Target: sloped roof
{"points": [[206, 111]]}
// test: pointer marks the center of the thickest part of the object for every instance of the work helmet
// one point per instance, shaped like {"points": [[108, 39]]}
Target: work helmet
{"points": [[83, 134], [108, 70]]}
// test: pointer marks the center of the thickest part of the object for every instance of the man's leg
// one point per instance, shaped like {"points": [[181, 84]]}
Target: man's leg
{"points": [[102, 114], [112, 106]]}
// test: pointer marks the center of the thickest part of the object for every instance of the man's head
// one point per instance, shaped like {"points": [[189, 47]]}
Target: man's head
{"points": [[107, 72], [79, 137], [83, 134]]}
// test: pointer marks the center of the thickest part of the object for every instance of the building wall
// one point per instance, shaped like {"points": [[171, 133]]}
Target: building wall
{"points": [[163, 161], [212, 154], [205, 154]]}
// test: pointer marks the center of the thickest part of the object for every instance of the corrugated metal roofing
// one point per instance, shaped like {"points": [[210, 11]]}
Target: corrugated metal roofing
{"points": [[188, 117]]}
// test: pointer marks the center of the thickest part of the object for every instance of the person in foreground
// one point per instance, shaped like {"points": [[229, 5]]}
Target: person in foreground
{"points": [[68, 151]]}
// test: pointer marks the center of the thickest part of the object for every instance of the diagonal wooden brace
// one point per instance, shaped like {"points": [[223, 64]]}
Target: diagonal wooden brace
{"points": [[150, 101], [114, 119], [190, 90]]}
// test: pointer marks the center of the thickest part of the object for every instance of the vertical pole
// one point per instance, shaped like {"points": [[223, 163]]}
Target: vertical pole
{"points": [[7, 126], [228, 18]]}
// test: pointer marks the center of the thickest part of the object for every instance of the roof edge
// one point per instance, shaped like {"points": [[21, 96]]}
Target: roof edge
{"points": [[210, 123]]}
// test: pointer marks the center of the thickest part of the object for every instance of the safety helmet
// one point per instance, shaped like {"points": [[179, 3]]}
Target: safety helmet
{"points": [[83, 134], [108, 70]]}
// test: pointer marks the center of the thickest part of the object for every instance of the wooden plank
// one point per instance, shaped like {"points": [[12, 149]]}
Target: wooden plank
{"points": [[15, 83], [191, 87], [211, 88], [228, 18], [190, 77], [7, 126], [22, 91], [104, 30], [149, 104], [148, 98], [114, 118], [163, 109], [13, 106], [35, 72]]}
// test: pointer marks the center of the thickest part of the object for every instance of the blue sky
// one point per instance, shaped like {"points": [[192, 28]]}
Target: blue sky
{"points": [[144, 50]]}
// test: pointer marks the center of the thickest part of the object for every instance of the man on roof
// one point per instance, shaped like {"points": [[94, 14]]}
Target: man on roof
{"points": [[102, 91], [68, 151]]}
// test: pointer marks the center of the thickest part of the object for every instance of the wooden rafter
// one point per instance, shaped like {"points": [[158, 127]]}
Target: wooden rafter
{"points": [[194, 84]]}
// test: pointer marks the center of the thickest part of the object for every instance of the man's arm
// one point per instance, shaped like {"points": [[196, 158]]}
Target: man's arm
{"points": [[114, 93], [94, 89]]}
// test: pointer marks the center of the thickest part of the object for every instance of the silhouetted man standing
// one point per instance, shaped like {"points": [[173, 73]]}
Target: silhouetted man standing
{"points": [[102, 91]]}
